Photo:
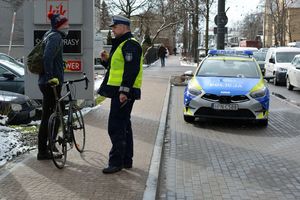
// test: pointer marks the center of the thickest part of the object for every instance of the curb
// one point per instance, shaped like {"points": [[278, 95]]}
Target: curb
{"points": [[152, 180], [285, 100]]}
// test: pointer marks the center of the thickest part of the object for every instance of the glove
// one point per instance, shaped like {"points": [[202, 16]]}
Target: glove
{"points": [[53, 81]]}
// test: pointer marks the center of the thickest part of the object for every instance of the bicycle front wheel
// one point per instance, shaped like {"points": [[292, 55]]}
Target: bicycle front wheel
{"points": [[57, 141], [78, 129]]}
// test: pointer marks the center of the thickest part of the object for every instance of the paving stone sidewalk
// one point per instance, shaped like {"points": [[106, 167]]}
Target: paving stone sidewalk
{"points": [[82, 177]]}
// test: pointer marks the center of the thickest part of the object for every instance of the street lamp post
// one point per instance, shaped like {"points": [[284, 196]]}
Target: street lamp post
{"points": [[221, 22]]}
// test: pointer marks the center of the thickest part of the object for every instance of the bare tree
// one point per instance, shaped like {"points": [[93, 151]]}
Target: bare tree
{"points": [[206, 14], [104, 15], [278, 14], [251, 26], [129, 7]]}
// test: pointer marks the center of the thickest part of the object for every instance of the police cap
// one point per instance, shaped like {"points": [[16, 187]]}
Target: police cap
{"points": [[119, 19]]}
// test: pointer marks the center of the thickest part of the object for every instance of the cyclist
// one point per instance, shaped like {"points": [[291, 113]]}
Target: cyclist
{"points": [[53, 75]]}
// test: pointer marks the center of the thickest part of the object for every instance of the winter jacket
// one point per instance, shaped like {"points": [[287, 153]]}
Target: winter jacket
{"points": [[162, 51], [53, 60]]}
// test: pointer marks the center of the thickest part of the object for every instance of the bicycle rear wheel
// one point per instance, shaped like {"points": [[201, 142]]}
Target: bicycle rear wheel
{"points": [[78, 129], [57, 141]]}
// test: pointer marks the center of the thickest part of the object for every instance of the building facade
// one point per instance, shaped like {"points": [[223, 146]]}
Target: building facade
{"points": [[288, 21]]}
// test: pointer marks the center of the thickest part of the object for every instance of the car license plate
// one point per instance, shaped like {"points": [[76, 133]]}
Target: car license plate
{"points": [[32, 113], [218, 106]]}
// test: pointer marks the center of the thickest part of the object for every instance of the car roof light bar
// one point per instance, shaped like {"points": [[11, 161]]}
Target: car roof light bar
{"points": [[216, 52]]}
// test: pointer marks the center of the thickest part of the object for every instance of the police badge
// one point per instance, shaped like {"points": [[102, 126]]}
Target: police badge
{"points": [[128, 57]]}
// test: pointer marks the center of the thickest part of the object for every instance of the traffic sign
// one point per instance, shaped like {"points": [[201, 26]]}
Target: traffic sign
{"points": [[223, 20]]}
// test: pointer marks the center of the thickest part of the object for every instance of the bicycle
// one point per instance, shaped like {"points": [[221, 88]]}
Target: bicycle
{"points": [[66, 129]]}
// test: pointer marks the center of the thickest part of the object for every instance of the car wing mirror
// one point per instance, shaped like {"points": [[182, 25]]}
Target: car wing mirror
{"points": [[188, 73], [271, 60]]}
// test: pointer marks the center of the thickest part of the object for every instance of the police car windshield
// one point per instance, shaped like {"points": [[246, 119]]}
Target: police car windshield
{"points": [[228, 68], [285, 57]]}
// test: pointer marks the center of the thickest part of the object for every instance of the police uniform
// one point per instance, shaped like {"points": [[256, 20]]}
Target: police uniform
{"points": [[124, 75]]}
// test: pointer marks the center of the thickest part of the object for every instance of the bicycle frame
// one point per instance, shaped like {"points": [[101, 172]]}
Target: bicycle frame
{"points": [[59, 111], [68, 125]]}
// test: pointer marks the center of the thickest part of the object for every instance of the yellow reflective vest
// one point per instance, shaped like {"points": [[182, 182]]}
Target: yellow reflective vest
{"points": [[117, 68]]}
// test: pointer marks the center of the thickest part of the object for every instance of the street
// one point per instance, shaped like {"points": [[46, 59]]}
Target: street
{"points": [[219, 159]]}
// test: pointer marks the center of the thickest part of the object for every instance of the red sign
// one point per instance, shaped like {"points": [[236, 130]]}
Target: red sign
{"points": [[58, 7], [73, 66]]}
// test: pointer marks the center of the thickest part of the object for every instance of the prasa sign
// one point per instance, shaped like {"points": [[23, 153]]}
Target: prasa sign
{"points": [[72, 43]]}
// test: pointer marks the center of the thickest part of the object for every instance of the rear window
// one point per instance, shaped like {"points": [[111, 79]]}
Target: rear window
{"points": [[228, 68]]}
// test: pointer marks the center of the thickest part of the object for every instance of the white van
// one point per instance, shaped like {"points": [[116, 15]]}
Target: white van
{"points": [[278, 60]]}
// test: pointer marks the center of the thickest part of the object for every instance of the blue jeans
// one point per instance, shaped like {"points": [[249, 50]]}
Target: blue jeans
{"points": [[162, 61]]}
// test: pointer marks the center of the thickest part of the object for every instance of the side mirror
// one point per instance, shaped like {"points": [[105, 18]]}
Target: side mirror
{"points": [[272, 60], [188, 73], [9, 75]]}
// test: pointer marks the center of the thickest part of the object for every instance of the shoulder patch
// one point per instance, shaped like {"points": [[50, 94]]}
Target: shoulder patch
{"points": [[128, 56]]}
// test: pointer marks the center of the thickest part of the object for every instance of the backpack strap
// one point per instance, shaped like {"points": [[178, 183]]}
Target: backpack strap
{"points": [[46, 37]]}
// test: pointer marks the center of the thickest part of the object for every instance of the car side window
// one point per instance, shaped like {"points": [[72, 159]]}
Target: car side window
{"points": [[294, 61], [297, 63], [272, 56], [2, 70]]}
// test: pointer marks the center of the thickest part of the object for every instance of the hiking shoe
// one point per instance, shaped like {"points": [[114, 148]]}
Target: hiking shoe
{"points": [[48, 156], [44, 156], [111, 169]]}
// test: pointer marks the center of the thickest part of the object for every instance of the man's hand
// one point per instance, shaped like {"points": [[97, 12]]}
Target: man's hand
{"points": [[104, 56], [123, 98], [54, 81]]}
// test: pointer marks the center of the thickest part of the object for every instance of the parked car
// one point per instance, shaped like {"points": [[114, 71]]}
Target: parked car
{"points": [[293, 74], [278, 60], [4, 56], [260, 57], [227, 86], [11, 77], [18, 108]]}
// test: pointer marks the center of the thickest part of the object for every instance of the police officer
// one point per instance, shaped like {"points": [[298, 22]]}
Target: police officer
{"points": [[122, 83]]}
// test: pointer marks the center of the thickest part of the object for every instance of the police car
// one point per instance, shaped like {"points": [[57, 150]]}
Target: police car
{"points": [[227, 84]]}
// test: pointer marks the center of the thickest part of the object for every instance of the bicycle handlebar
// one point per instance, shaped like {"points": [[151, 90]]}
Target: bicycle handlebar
{"points": [[79, 80]]}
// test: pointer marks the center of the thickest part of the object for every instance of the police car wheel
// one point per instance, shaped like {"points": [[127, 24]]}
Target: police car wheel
{"points": [[188, 119]]}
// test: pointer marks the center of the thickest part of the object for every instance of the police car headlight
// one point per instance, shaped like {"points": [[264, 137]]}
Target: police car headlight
{"points": [[16, 107], [280, 69], [259, 93], [194, 91]]}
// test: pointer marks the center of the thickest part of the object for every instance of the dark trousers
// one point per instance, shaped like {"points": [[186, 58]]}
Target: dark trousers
{"points": [[48, 108], [120, 133]]}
